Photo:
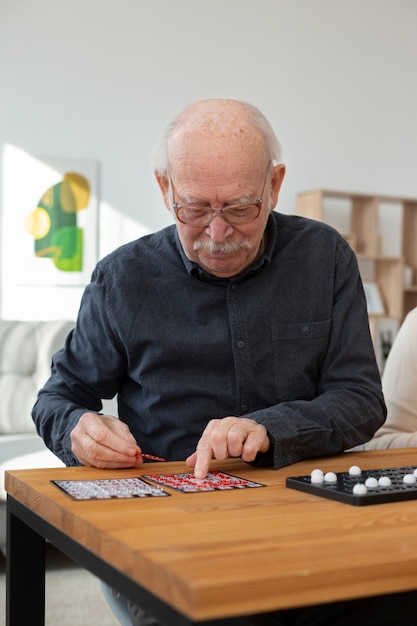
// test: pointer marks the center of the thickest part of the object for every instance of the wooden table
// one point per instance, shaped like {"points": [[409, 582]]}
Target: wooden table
{"points": [[213, 557]]}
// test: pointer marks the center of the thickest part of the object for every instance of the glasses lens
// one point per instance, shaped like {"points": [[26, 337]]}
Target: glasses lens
{"points": [[241, 214], [194, 216], [233, 215]]}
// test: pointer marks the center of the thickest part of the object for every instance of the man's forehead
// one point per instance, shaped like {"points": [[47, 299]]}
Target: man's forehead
{"points": [[231, 150]]}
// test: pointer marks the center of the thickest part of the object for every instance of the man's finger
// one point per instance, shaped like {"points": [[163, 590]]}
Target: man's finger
{"points": [[200, 460]]}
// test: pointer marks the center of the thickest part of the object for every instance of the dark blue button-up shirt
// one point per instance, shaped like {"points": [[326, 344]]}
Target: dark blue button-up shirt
{"points": [[285, 343]]}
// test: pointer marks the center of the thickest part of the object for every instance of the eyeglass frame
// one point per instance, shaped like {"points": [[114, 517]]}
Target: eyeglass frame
{"points": [[219, 212]]}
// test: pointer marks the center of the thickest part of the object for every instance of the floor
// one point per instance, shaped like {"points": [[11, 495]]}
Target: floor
{"points": [[73, 595]]}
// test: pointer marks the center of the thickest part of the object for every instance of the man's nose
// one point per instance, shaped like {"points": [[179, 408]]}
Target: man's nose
{"points": [[218, 229]]}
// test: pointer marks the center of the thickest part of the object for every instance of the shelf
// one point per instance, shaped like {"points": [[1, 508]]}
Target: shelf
{"points": [[368, 222]]}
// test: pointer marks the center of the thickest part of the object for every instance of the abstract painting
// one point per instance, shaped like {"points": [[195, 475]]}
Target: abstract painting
{"points": [[50, 220]]}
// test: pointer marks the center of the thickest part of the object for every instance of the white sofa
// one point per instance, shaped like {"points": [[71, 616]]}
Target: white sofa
{"points": [[26, 349]]}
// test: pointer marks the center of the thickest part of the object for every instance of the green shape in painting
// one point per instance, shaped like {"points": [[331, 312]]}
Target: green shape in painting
{"points": [[69, 242], [51, 203]]}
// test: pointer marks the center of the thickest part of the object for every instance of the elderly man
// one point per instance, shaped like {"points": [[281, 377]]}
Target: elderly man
{"points": [[237, 331]]}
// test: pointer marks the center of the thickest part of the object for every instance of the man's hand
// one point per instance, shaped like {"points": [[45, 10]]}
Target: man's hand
{"points": [[223, 438], [105, 442]]}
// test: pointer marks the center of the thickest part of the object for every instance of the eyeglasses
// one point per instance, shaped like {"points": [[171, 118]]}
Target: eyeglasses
{"points": [[235, 214]]}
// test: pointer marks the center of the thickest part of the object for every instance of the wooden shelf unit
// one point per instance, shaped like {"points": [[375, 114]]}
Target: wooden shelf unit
{"points": [[369, 222]]}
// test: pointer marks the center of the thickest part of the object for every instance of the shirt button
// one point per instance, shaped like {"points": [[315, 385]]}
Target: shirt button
{"points": [[240, 344]]}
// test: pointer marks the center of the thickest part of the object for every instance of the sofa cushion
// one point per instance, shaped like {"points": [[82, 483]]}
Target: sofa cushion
{"points": [[26, 349], [24, 452]]}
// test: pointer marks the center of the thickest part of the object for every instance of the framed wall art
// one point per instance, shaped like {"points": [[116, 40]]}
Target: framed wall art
{"points": [[50, 219]]}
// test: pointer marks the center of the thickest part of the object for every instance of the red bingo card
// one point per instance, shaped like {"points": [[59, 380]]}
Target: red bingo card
{"points": [[214, 481]]}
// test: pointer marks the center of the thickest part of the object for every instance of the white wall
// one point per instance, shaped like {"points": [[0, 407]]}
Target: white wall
{"points": [[98, 79]]}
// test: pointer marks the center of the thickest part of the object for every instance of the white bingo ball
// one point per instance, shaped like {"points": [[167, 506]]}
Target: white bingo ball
{"points": [[330, 477], [371, 482], [317, 476], [359, 489], [384, 481], [409, 479], [355, 471]]}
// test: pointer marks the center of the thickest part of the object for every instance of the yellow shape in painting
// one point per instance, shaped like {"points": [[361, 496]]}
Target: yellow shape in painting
{"points": [[48, 198], [67, 203], [38, 223], [80, 190]]}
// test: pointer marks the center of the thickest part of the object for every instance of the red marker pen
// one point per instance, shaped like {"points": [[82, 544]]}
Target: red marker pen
{"points": [[151, 457]]}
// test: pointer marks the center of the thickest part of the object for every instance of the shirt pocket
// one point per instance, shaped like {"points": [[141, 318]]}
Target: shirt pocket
{"points": [[298, 354]]}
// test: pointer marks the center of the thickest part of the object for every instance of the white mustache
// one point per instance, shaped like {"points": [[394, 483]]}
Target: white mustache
{"points": [[227, 247]]}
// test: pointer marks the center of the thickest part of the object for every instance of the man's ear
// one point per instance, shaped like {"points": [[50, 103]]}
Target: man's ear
{"points": [[277, 176], [163, 182]]}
